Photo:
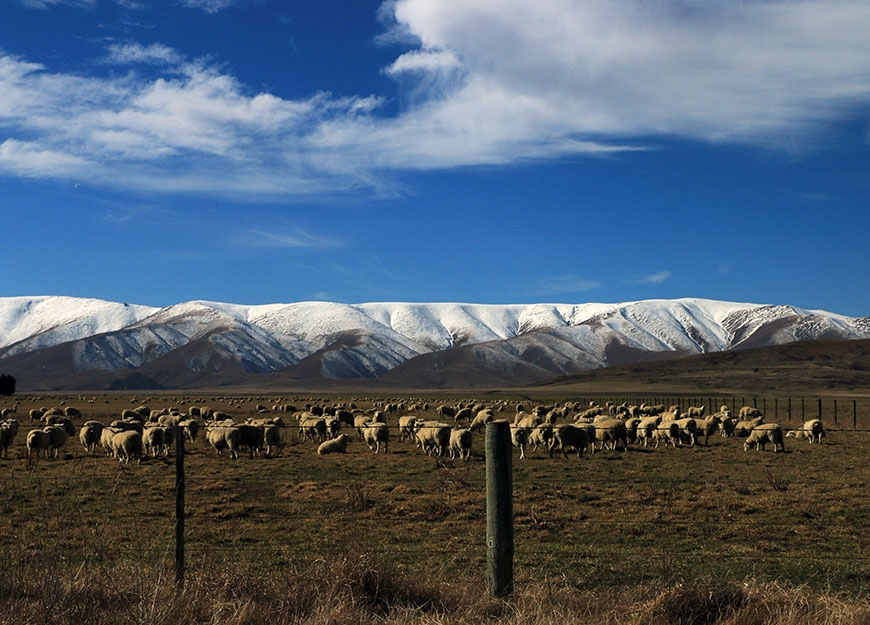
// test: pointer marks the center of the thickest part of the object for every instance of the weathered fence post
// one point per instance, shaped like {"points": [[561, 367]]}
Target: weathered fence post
{"points": [[179, 508], [499, 510]]}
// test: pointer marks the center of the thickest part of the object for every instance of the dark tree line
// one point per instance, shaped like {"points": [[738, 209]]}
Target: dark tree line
{"points": [[7, 385]]}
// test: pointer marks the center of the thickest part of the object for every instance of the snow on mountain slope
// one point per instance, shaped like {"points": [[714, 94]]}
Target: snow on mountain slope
{"points": [[367, 340], [46, 321]]}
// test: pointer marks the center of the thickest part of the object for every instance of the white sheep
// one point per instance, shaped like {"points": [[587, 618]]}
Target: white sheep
{"points": [[406, 427], [460, 443], [812, 430], [481, 419], [58, 436], [763, 434], [688, 431], [153, 440], [272, 439], [433, 437], [376, 433], [222, 438], [520, 438], [541, 435], [610, 433], [667, 431], [334, 445], [127, 445], [89, 435], [646, 429], [38, 441], [313, 428], [8, 432]]}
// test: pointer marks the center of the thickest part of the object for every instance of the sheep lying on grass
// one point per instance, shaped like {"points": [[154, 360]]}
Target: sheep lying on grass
{"points": [[337, 445]]}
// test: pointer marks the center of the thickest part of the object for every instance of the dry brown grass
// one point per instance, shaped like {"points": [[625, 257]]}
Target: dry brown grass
{"points": [[709, 535]]}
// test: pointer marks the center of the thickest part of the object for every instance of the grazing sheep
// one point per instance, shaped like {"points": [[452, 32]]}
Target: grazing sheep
{"points": [[223, 437], [376, 433], [8, 432], [520, 438], [337, 445], [646, 428], [406, 427], [60, 421], [89, 435], [688, 431], [610, 433], [272, 439], [433, 437], [460, 443], [446, 412], [153, 440], [127, 445], [359, 422], [541, 435], [313, 428], [58, 437], [763, 434], [743, 428], [72, 412], [748, 412], [812, 430], [696, 412], [40, 442], [252, 437], [464, 414], [190, 427], [570, 435], [667, 431], [707, 425], [481, 419]]}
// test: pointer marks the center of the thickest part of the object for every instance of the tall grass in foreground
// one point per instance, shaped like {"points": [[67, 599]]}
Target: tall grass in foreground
{"points": [[354, 588]]}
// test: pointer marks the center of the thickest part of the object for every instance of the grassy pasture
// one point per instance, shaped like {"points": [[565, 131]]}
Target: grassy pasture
{"points": [[658, 531]]}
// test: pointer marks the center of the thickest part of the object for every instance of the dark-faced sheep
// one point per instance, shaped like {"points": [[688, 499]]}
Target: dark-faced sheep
{"points": [[570, 436]]}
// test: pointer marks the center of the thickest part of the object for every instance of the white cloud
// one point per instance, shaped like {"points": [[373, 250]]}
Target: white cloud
{"points": [[44, 4], [655, 278], [566, 284], [211, 6], [486, 82], [157, 54]]}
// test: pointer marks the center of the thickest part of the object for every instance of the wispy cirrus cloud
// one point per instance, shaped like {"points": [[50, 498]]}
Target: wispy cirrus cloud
{"points": [[211, 6], [653, 278], [568, 283]]}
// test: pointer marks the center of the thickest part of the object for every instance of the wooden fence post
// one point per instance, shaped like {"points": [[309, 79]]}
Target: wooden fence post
{"points": [[499, 509], [179, 508]]}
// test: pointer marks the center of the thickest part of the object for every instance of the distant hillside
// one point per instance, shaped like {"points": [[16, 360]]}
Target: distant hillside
{"points": [[826, 368]]}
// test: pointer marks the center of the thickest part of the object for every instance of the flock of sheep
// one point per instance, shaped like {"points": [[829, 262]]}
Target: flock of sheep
{"points": [[142, 432]]}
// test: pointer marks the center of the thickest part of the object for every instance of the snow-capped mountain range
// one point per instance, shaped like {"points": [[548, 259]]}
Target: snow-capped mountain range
{"points": [[52, 342]]}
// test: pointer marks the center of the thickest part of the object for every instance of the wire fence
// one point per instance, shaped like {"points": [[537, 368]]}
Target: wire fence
{"points": [[624, 516]]}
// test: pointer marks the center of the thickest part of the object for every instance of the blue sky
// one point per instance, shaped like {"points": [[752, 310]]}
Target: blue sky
{"points": [[498, 151]]}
